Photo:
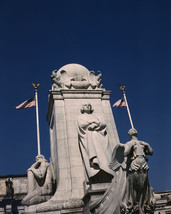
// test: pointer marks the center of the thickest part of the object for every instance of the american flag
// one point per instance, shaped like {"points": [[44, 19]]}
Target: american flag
{"points": [[120, 103], [27, 104]]}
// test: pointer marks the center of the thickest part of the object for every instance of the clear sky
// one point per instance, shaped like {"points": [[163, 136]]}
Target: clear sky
{"points": [[128, 41]]}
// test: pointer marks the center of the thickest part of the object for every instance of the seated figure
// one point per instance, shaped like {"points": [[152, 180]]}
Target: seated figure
{"points": [[39, 182]]}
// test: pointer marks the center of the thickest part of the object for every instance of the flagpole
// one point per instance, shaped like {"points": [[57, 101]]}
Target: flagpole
{"points": [[36, 85], [122, 87]]}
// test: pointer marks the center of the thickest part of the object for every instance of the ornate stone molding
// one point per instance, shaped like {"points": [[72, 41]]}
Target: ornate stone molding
{"points": [[75, 76]]}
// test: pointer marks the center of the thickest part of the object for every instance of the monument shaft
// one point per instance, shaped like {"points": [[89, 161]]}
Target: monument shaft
{"points": [[64, 108]]}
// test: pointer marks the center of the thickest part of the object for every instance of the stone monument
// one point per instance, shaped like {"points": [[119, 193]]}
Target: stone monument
{"points": [[74, 86], [92, 170]]}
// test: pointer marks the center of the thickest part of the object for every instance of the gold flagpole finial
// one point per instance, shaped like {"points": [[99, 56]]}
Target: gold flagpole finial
{"points": [[35, 85], [122, 87]]}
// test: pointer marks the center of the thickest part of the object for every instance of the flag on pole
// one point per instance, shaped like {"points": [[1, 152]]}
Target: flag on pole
{"points": [[27, 104], [120, 103]]}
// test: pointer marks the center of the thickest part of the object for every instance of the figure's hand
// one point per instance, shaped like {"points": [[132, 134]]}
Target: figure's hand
{"points": [[93, 126], [145, 166], [134, 166]]}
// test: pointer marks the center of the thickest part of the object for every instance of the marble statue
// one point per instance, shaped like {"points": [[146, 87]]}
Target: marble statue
{"points": [[130, 191], [9, 189], [94, 144], [40, 182], [74, 78]]}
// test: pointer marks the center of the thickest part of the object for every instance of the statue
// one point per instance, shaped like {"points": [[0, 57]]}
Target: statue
{"points": [[130, 191], [9, 189], [40, 184], [94, 146]]}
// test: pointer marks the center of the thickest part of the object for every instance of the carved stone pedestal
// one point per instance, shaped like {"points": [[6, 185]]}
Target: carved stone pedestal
{"points": [[93, 194], [57, 207]]}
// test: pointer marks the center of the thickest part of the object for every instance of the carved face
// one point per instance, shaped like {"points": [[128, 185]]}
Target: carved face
{"points": [[132, 132], [87, 108]]}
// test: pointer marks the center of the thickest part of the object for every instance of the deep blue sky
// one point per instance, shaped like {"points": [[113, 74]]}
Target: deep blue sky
{"points": [[128, 41]]}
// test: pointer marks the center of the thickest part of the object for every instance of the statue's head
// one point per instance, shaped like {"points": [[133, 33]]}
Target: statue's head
{"points": [[132, 132], [38, 157], [87, 108]]}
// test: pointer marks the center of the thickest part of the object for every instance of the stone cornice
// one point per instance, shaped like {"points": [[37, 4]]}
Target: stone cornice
{"points": [[62, 94]]}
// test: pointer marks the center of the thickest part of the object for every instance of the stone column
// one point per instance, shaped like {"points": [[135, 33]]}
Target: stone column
{"points": [[64, 108]]}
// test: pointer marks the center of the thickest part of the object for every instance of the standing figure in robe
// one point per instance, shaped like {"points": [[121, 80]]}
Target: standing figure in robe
{"points": [[94, 145]]}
